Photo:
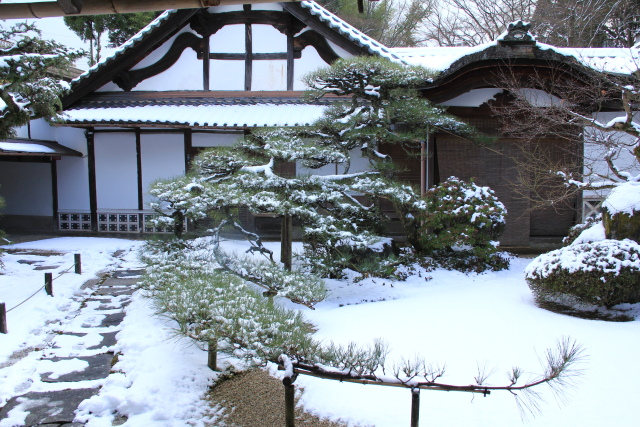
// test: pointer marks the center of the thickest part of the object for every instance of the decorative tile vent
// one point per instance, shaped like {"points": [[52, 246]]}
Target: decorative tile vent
{"points": [[591, 207], [74, 221], [119, 222], [112, 222]]}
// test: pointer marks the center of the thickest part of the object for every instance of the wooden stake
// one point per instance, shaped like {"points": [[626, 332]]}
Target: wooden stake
{"points": [[48, 283], [289, 403], [415, 407], [78, 263], [3, 318], [213, 355]]}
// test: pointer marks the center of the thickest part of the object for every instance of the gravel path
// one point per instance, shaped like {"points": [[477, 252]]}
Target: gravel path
{"points": [[256, 399]]}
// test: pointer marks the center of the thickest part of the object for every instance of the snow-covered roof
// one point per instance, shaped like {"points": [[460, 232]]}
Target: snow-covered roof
{"points": [[350, 31], [219, 115], [612, 60], [125, 46], [34, 147]]}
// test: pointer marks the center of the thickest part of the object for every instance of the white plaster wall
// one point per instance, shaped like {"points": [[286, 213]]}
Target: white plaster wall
{"points": [[308, 62], [269, 75], [157, 54], [267, 39], [226, 75], [225, 8], [185, 74], [339, 51], [215, 139], [228, 39], [116, 177], [162, 158], [594, 154], [73, 172], [26, 188], [473, 98], [358, 164], [266, 6]]}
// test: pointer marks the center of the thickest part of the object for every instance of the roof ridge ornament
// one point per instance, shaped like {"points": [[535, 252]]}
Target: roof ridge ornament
{"points": [[517, 34]]}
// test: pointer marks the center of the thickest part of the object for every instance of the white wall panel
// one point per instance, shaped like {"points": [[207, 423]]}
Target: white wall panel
{"points": [[26, 188], [162, 158], [186, 74], [269, 75], [228, 39], [267, 39], [215, 139], [308, 62], [116, 176]]}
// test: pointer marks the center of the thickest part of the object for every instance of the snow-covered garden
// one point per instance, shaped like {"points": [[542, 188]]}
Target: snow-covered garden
{"points": [[483, 321]]}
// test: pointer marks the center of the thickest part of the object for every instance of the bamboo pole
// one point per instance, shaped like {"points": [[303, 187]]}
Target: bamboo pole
{"points": [[107, 7]]}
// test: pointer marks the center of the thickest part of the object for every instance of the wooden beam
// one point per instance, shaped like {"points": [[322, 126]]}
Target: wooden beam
{"points": [[70, 7], [105, 7]]}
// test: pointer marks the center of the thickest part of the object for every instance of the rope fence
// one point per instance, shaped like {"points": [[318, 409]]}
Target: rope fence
{"points": [[48, 287]]}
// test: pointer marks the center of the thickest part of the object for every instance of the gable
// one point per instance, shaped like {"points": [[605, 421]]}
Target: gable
{"points": [[240, 48]]}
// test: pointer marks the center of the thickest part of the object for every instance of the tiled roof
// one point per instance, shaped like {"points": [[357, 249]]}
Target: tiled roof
{"points": [[219, 112], [34, 147], [350, 31], [613, 60]]}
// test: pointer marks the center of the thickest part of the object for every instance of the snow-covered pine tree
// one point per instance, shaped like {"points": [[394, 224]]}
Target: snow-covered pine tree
{"points": [[29, 72], [338, 213]]}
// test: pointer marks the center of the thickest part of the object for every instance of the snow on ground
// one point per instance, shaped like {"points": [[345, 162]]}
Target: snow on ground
{"points": [[461, 321]]}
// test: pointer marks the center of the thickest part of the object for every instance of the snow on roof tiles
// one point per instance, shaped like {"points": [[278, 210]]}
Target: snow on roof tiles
{"points": [[124, 47], [217, 115], [612, 60], [350, 31]]}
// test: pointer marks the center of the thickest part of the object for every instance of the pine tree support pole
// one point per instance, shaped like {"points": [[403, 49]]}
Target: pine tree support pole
{"points": [[415, 407], [48, 283], [77, 262], [289, 401], [3, 318], [212, 353]]}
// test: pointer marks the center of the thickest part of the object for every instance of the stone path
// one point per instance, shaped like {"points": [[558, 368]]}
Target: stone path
{"points": [[87, 338]]}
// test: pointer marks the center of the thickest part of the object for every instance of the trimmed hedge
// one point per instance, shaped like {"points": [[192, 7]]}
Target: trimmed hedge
{"points": [[603, 273]]}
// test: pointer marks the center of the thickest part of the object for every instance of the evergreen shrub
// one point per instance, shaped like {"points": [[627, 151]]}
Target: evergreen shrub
{"points": [[604, 273], [461, 224]]}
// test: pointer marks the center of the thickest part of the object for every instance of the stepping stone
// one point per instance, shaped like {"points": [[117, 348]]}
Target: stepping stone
{"points": [[99, 367], [128, 273], [52, 407], [24, 261], [108, 340], [113, 292], [123, 281], [112, 320], [46, 267]]}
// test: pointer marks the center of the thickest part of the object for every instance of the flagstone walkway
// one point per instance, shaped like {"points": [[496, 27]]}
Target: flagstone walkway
{"points": [[84, 340]]}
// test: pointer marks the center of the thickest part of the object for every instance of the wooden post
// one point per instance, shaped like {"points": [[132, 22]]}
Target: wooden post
{"points": [[48, 283], [213, 355], [415, 407], [3, 318], [286, 241], [270, 294], [289, 402], [78, 263]]}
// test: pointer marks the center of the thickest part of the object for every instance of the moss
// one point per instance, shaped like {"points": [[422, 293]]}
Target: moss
{"points": [[622, 225]]}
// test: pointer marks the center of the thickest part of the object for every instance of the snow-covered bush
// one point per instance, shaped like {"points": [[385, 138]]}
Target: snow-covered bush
{"points": [[604, 273], [577, 232], [461, 225], [621, 211]]}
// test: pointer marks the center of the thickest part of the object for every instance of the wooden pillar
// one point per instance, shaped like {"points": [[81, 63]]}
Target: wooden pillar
{"points": [[248, 44], [289, 402], [93, 190], [290, 61], [54, 191], [139, 170], [188, 147], [206, 62], [212, 354]]}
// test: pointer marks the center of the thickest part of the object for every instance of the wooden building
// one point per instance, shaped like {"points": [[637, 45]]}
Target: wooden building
{"points": [[203, 78]]}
